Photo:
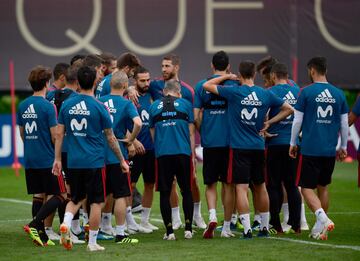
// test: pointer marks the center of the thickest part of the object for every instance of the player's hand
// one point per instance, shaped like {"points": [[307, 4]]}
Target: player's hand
{"points": [[268, 135], [124, 167], [127, 141], [133, 95], [264, 129], [293, 151], [131, 151], [341, 154], [57, 168], [139, 148], [233, 77]]}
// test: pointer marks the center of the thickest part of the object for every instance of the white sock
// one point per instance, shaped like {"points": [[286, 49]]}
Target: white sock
{"points": [[175, 214], [321, 215], [129, 217], [245, 221], [303, 216], [234, 218], [85, 218], [68, 218], [264, 220], [285, 210], [212, 214], [75, 226], [145, 214], [197, 209], [226, 226], [92, 236], [106, 220], [120, 230], [257, 218]]}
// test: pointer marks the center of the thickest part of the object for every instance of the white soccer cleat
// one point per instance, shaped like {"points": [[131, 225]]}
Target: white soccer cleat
{"points": [[75, 239], [108, 231], [227, 234], [170, 237], [148, 225], [144, 230], [51, 234], [176, 224], [285, 227], [304, 226], [188, 234], [199, 222], [65, 238], [133, 228], [95, 247]]}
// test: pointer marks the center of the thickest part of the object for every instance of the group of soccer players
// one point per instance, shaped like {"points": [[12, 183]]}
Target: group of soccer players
{"points": [[102, 122]]}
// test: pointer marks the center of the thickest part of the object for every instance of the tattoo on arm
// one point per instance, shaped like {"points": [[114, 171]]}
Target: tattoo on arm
{"points": [[113, 144]]}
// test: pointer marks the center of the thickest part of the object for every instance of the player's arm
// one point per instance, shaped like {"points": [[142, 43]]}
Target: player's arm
{"points": [[352, 118], [139, 147], [133, 94], [152, 132], [59, 138], [192, 137], [285, 110], [211, 85], [295, 130], [135, 131], [114, 146], [22, 132], [197, 118], [53, 134], [344, 131]]}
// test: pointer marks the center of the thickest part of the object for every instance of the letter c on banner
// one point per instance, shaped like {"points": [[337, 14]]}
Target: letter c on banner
{"points": [[42, 48], [328, 37], [129, 43]]}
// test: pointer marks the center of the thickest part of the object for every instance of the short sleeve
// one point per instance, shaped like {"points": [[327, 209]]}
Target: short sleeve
{"points": [[61, 116], [301, 102], [19, 118], [105, 118], [190, 112], [226, 91], [198, 101], [275, 101], [131, 110], [52, 116], [344, 106]]}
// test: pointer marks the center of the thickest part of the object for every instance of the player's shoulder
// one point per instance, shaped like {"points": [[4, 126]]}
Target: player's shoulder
{"points": [[187, 86]]}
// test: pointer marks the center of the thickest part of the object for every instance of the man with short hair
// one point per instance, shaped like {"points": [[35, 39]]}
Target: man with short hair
{"points": [[281, 169], [173, 132], [123, 114], [59, 77], [248, 105], [109, 63], [85, 119], [321, 112], [37, 122]]}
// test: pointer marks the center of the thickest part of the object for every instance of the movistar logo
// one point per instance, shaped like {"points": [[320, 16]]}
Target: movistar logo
{"points": [[75, 125], [325, 96], [79, 109], [324, 113], [251, 99], [29, 128], [144, 115], [246, 115]]}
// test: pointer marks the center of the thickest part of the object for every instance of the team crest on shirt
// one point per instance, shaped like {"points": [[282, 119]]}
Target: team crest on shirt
{"points": [[252, 100]]}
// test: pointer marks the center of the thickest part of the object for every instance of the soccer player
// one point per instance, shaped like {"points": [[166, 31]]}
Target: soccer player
{"points": [[59, 78], [353, 115], [144, 160], [77, 59], [85, 119], [109, 63], [36, 118], [127, 63], [172, 128], [247, 107], [123, 113], [321, 113], [281, 169], [213, 127]]}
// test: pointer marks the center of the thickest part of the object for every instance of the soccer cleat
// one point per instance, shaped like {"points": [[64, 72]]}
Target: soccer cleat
{"points": [[285, 227], [75, 239], [49, 243], [328, 227], [95, 247], [248, 235], [176, 224], [255, 226], [169, 237], [103, 236], [34, 235], [188, 234], [65, 239], [199, 222], [51, 234], [125, 240], [263, 233], [149, 226], [239, 226], [107, 231], [272, 230], [209, 231], [304, 226], [227, 234], [145, 230], [291, 231]]}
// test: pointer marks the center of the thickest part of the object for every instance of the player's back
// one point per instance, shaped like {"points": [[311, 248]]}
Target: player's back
{"points": [[156, 90], [143, 109]]}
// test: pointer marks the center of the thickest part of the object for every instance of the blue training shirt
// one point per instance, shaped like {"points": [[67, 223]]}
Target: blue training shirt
{"points": [[103, 88], [322, 105], [247, 110], [37, 116], [143, 109], [84, 119], [214, 126], [170, 117], [289, 94], [122, 113], [156, 90]]}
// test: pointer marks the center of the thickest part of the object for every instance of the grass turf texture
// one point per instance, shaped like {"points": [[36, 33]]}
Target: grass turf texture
{"points": [[344, 211]]}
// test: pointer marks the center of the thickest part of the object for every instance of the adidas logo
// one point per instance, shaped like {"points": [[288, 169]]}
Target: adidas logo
{"points": [[325, 96], [79, 109], [110, 105], [290, 98], [30, 113], [251, 99]]}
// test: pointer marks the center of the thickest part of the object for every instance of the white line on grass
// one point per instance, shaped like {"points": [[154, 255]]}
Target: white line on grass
{"points": [[16, 201], [356, 248]]}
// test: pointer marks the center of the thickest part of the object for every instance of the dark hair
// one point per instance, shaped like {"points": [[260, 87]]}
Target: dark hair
{"points": [[247, 69], [128, 59], [86, 76], [71, 74], [107, 58], [220, 61], [140, 69], [92, 60], [319, 64], [266, 63], [60, 69], [175, 59], [280, 70], [76, 58], [38, 77]]}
